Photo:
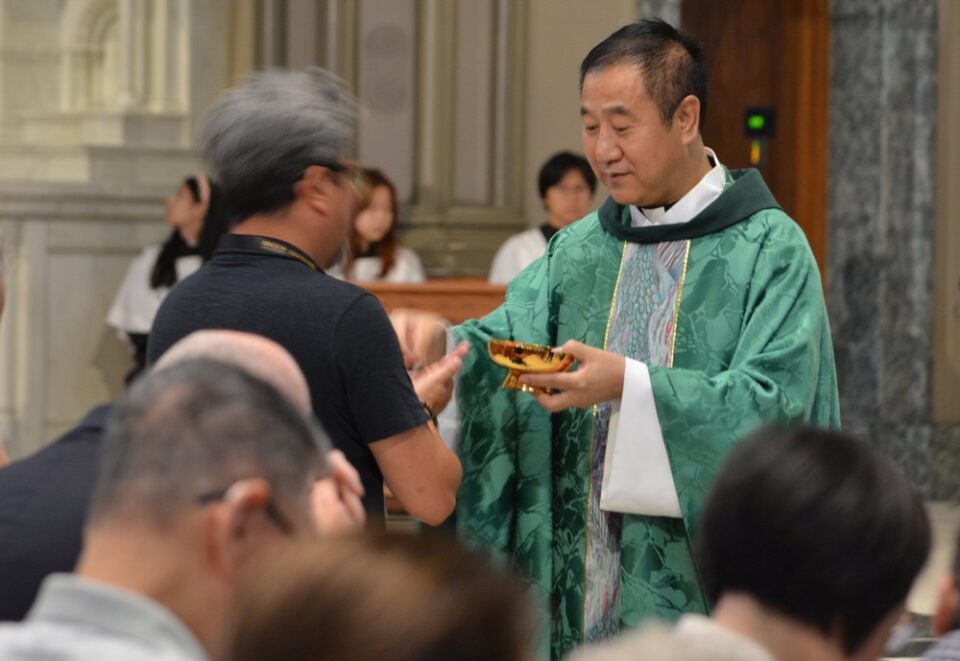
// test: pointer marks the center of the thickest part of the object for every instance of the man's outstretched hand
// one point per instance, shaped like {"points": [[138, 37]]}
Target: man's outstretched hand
{"points": [[434, 383], [598, 378]]}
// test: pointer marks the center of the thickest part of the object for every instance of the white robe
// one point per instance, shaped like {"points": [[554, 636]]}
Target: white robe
{"points": [[136, 302], [516, 253], [406, 268]]}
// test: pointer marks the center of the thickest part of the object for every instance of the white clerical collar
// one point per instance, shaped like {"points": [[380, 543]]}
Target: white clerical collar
{"points": [[687, 207]]}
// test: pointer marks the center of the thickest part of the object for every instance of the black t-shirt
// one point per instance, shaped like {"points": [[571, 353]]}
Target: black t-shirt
{"points": [[337, 332]]}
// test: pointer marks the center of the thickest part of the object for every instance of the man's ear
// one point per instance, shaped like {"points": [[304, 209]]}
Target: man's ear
{"points": [[316, 187], [236, 522], [687, 118], [947, 597]]}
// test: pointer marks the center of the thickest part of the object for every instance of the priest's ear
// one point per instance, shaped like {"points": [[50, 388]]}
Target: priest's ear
{"points": [[687, 118]]}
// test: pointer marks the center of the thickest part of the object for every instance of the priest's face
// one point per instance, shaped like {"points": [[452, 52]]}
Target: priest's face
{"points": [[637, 156]]}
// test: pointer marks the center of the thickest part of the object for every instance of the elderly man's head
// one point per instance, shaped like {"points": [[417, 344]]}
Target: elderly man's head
{"points": [[204, 471], [204, 433]]}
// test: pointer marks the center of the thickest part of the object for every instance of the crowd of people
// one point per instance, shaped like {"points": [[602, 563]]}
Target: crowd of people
{"points": [[681, 493]]}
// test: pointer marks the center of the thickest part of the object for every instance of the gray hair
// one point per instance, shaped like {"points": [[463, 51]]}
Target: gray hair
{"points": [[259, 138], [195, 428]]}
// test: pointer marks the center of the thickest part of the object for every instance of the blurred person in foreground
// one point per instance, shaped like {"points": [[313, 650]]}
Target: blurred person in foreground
{"points": [[808, 544], [387, 596], [278, 145], [204, 472], [46, 494], [946, 617]]}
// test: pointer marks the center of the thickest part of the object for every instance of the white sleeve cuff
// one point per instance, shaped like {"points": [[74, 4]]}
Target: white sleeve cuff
{"points": [[636, 470], [448, 420]]}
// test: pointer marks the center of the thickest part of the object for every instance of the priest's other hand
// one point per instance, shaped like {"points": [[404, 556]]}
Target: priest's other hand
{"points": [[598, 378], [336, 500], [422, 335], [434, 383]]}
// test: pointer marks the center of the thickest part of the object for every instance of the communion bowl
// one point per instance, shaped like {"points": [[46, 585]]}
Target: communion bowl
{"points": [[522, 358]]}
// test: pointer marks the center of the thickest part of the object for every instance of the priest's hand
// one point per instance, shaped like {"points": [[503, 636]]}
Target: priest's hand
{"points": [[434, 383], [598, 378], [422, 335]]}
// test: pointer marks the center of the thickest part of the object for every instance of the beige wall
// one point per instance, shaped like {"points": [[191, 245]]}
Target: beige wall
{"points": [[560, 34], [84, 168], [946, 336], [98, 107]]}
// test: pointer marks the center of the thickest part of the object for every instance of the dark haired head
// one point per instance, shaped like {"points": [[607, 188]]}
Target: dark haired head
{"points": [[556, 168], [816, 526], [197, 427], [672, 63], [215, 223], [385, 248], [430, 600]]}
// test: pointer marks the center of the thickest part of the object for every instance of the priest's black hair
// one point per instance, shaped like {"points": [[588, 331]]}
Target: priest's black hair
{"points": [[672, 63], [815, 525]]}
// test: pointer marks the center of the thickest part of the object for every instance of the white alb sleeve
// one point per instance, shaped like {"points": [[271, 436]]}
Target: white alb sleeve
{"points": [[448, 420], [636, 470]]}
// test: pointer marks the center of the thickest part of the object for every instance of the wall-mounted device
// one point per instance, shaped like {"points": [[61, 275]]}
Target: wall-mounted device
{"points": [[759, 125]]}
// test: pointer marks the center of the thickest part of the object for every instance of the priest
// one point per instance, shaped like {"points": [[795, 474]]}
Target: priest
{"points": [[694, 308]]}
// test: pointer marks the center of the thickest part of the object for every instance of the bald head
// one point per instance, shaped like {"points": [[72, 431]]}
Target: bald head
{"points": [[254, 354]]}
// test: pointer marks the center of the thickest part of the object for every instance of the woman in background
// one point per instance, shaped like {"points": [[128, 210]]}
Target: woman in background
{"points": [[374, 251], [198, 218], [566, 183]]}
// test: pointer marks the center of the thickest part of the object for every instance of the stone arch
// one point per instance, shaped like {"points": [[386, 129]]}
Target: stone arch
{"points": [[91, 46]]}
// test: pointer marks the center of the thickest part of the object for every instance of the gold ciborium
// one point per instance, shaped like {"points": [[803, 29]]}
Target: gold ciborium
{"points": [[521, 358]]}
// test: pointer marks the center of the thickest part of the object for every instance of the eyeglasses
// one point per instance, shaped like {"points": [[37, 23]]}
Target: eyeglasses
{"points": [[354, 175], [271, 510]]}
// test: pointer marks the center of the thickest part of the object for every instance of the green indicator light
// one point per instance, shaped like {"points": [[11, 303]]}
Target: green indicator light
{"points": [[756, 122]]}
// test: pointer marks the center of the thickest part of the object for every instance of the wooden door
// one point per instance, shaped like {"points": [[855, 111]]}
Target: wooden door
{"points": [[771, 53]]}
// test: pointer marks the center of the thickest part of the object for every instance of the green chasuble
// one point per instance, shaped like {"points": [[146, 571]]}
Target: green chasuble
{"points": [[727, 312]]}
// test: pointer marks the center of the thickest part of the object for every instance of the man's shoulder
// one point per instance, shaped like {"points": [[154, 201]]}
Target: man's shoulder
{"points": [[945, 649], [654, 640], [765, 232], [773, 223], [74, 453], [581, 235], [31, 640], [589, 225], [273, 279]]}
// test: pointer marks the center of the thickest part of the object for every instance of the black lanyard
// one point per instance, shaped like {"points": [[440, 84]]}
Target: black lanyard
{"points": [[254, 243]]}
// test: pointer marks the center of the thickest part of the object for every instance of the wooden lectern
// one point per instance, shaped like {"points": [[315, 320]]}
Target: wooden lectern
{"points": [[454, 299]]}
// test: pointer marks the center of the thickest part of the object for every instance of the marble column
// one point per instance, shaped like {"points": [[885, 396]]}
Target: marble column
{"points": [[881, 224]]}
